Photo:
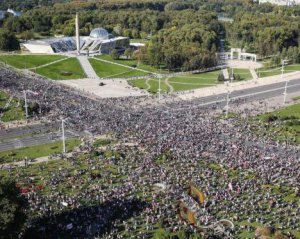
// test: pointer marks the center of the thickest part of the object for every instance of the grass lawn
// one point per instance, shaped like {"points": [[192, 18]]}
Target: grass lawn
{"points": [[29, 61], [36, 151], [13, 111], [296, 98], [266, 71], [244, 73], [154, 85], [64, 70], [132, 63], [140, 83], [107, 70], [194, 81]]}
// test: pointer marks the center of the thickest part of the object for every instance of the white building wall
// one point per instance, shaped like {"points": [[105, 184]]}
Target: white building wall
{"points": [[39, 48], [281, 2]]}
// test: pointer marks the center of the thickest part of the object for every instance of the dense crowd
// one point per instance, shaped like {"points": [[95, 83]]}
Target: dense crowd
{"points": [[246, 178]]}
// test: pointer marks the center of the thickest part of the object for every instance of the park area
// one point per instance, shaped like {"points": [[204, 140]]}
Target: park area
{"points": [[184, 82], [29, 61], [110, 70], [63, 70]]}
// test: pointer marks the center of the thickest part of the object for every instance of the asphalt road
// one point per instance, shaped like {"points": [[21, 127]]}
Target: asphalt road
{"points": [[24, 136], [34, 140], [28, 130], [248, 95]]}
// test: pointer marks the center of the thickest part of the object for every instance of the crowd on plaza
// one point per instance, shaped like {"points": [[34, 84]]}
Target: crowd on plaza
{"points": [[247, 178]]}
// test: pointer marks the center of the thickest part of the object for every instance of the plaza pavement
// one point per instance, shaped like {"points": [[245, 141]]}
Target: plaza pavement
{"points": [[111, 89]]}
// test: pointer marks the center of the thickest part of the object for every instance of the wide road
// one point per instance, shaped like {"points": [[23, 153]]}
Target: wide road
{"points": [[24, 136], [252, 94], [28, 130], [34, 140]]}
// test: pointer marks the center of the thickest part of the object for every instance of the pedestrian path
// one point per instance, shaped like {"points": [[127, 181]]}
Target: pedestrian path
{"points": [[253, 73], [48, 64], [225, 74], [87, 67]]}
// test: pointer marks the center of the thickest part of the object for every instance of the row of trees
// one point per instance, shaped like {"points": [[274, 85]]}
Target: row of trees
{"points": [[189, 47], [264, 34], [292, 54], [178, 40]]}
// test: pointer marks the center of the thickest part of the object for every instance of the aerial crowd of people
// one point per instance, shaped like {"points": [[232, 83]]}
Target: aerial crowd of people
{"points": [[246, 177]]}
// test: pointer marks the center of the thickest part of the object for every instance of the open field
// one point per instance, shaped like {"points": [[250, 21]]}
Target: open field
{"points": [[29, 61], [37, 151], [64, 70], [132, 63], [107, 70], [13, 112], [266, 71]]}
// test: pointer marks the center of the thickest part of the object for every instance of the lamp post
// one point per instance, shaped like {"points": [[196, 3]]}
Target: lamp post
{"points": [[63, 135], [285, 92], [26, 106], [227, 104], [232, 78], [286, 82], [159, 88]]}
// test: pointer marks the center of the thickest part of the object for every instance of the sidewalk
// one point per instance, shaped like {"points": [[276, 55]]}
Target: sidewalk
{"points": [[86, 66]]}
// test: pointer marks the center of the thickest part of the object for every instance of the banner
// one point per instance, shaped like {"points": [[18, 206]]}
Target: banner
{"points": [[196, 194], [185, 214]]}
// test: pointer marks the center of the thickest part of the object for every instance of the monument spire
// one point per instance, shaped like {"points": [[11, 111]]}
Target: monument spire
{"points": [[77, 34]]}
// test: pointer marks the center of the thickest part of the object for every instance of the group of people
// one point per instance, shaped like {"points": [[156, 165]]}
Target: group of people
{"points": [[246, 177]]}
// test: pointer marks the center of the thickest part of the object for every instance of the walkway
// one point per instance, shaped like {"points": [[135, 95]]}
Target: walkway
{"points": [[48, 64], [225, 74], [253, 73], [86, 66], [169, 85]]}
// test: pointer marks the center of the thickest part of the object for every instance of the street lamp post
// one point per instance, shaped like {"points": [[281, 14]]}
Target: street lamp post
{"points": [[285, 92], [227, 104], [282, 68], [26, 105], [63, 135]]}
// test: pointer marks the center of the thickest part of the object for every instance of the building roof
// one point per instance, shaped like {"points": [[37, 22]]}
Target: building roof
{"points": [[100, 33]]}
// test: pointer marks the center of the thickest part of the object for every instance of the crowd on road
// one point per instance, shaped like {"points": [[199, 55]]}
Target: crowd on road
{"points": [[247, 178]]}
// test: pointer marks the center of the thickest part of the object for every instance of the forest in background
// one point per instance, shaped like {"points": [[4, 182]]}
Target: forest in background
{"points": [[183, 34]]}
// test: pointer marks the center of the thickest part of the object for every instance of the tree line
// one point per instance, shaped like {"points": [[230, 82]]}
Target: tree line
{"points": [[182, 34]]}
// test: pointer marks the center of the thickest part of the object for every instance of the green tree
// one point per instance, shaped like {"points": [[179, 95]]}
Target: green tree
{"points": [[114, 54], [27, 35], [128, 53], [12, 205], [8, 41]]}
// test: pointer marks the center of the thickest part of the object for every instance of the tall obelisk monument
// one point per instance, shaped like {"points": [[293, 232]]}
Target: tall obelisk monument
{"points": [[77, 34]]}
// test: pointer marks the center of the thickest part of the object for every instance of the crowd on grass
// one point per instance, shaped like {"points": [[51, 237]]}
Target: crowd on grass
{"points": [[246, 178]]}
